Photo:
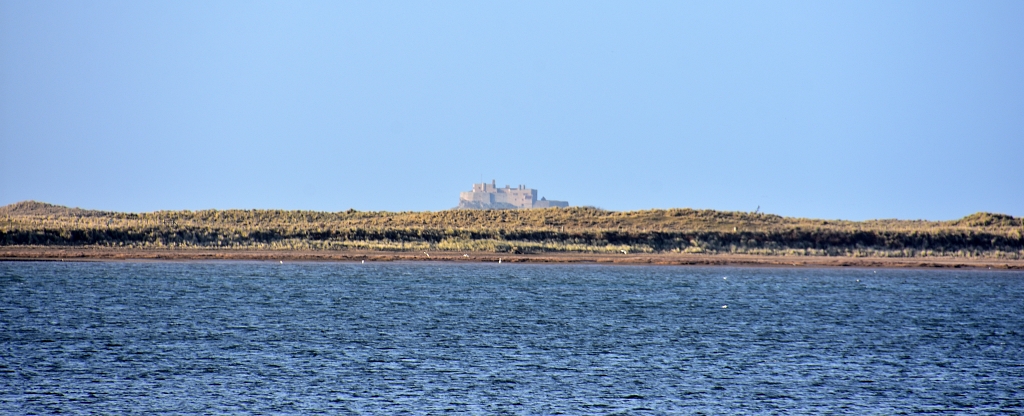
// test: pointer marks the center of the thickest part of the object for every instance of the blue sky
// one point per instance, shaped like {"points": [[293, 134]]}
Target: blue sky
{"points": [[851, 110]]}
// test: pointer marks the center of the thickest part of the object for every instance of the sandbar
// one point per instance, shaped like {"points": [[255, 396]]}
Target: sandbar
{"points": [[115, 254]]}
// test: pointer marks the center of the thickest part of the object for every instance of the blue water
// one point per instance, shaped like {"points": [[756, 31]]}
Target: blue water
{"points": [[241, 337]]}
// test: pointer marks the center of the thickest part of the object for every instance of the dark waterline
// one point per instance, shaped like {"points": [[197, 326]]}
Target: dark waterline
{"points": [[229, 337]]}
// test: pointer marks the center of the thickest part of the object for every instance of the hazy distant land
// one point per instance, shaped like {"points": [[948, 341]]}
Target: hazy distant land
{"points": [[675, 236]]}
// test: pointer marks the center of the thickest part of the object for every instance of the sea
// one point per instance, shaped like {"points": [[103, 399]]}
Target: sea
{"points": [[238, 337]]}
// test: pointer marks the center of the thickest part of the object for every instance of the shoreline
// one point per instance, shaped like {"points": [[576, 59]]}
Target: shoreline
{"points": [[667, 259]]}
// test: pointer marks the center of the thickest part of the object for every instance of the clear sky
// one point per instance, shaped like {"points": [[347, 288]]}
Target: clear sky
{"points": [[824, 109]]}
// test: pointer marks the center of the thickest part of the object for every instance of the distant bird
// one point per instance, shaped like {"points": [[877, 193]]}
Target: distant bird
{"points": [[725, 306], [624, 251], [499, 260], [465, 255], [282, 261], [362, 262], [725, 278], [428, 254]]}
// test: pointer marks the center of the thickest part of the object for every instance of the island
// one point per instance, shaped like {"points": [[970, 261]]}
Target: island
{"points": [[37, 230]]}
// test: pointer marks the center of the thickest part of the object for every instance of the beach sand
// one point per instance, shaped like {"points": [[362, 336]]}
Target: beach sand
{"points": [[90, 253]]}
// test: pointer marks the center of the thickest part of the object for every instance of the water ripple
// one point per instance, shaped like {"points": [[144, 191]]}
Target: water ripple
{"points": [[230, 337]]}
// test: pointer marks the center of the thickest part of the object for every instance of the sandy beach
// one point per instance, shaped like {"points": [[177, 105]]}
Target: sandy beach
{"points": [[113, 254]]}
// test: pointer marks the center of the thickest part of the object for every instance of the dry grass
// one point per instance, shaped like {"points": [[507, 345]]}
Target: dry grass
{"points": [[519, 231]]}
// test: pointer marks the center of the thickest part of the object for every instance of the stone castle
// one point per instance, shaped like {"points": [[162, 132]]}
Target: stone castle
{"points": [[489, 196]]}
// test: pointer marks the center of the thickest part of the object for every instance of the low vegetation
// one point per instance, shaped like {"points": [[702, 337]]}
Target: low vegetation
{"points": [[575, 229]]}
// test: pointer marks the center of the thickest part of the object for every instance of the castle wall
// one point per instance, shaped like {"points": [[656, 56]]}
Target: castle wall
{"points": [[550, 204]]}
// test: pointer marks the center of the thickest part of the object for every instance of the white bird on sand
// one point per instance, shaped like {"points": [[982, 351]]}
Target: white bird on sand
{"points": [[465, 255], [428, 254], [624, 251]]}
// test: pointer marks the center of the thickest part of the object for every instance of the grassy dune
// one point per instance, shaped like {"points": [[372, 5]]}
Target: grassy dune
{"points": [[580, 230]]}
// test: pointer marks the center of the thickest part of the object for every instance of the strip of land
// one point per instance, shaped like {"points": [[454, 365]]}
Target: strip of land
{"points": [[115, 254], [36, 230]]}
